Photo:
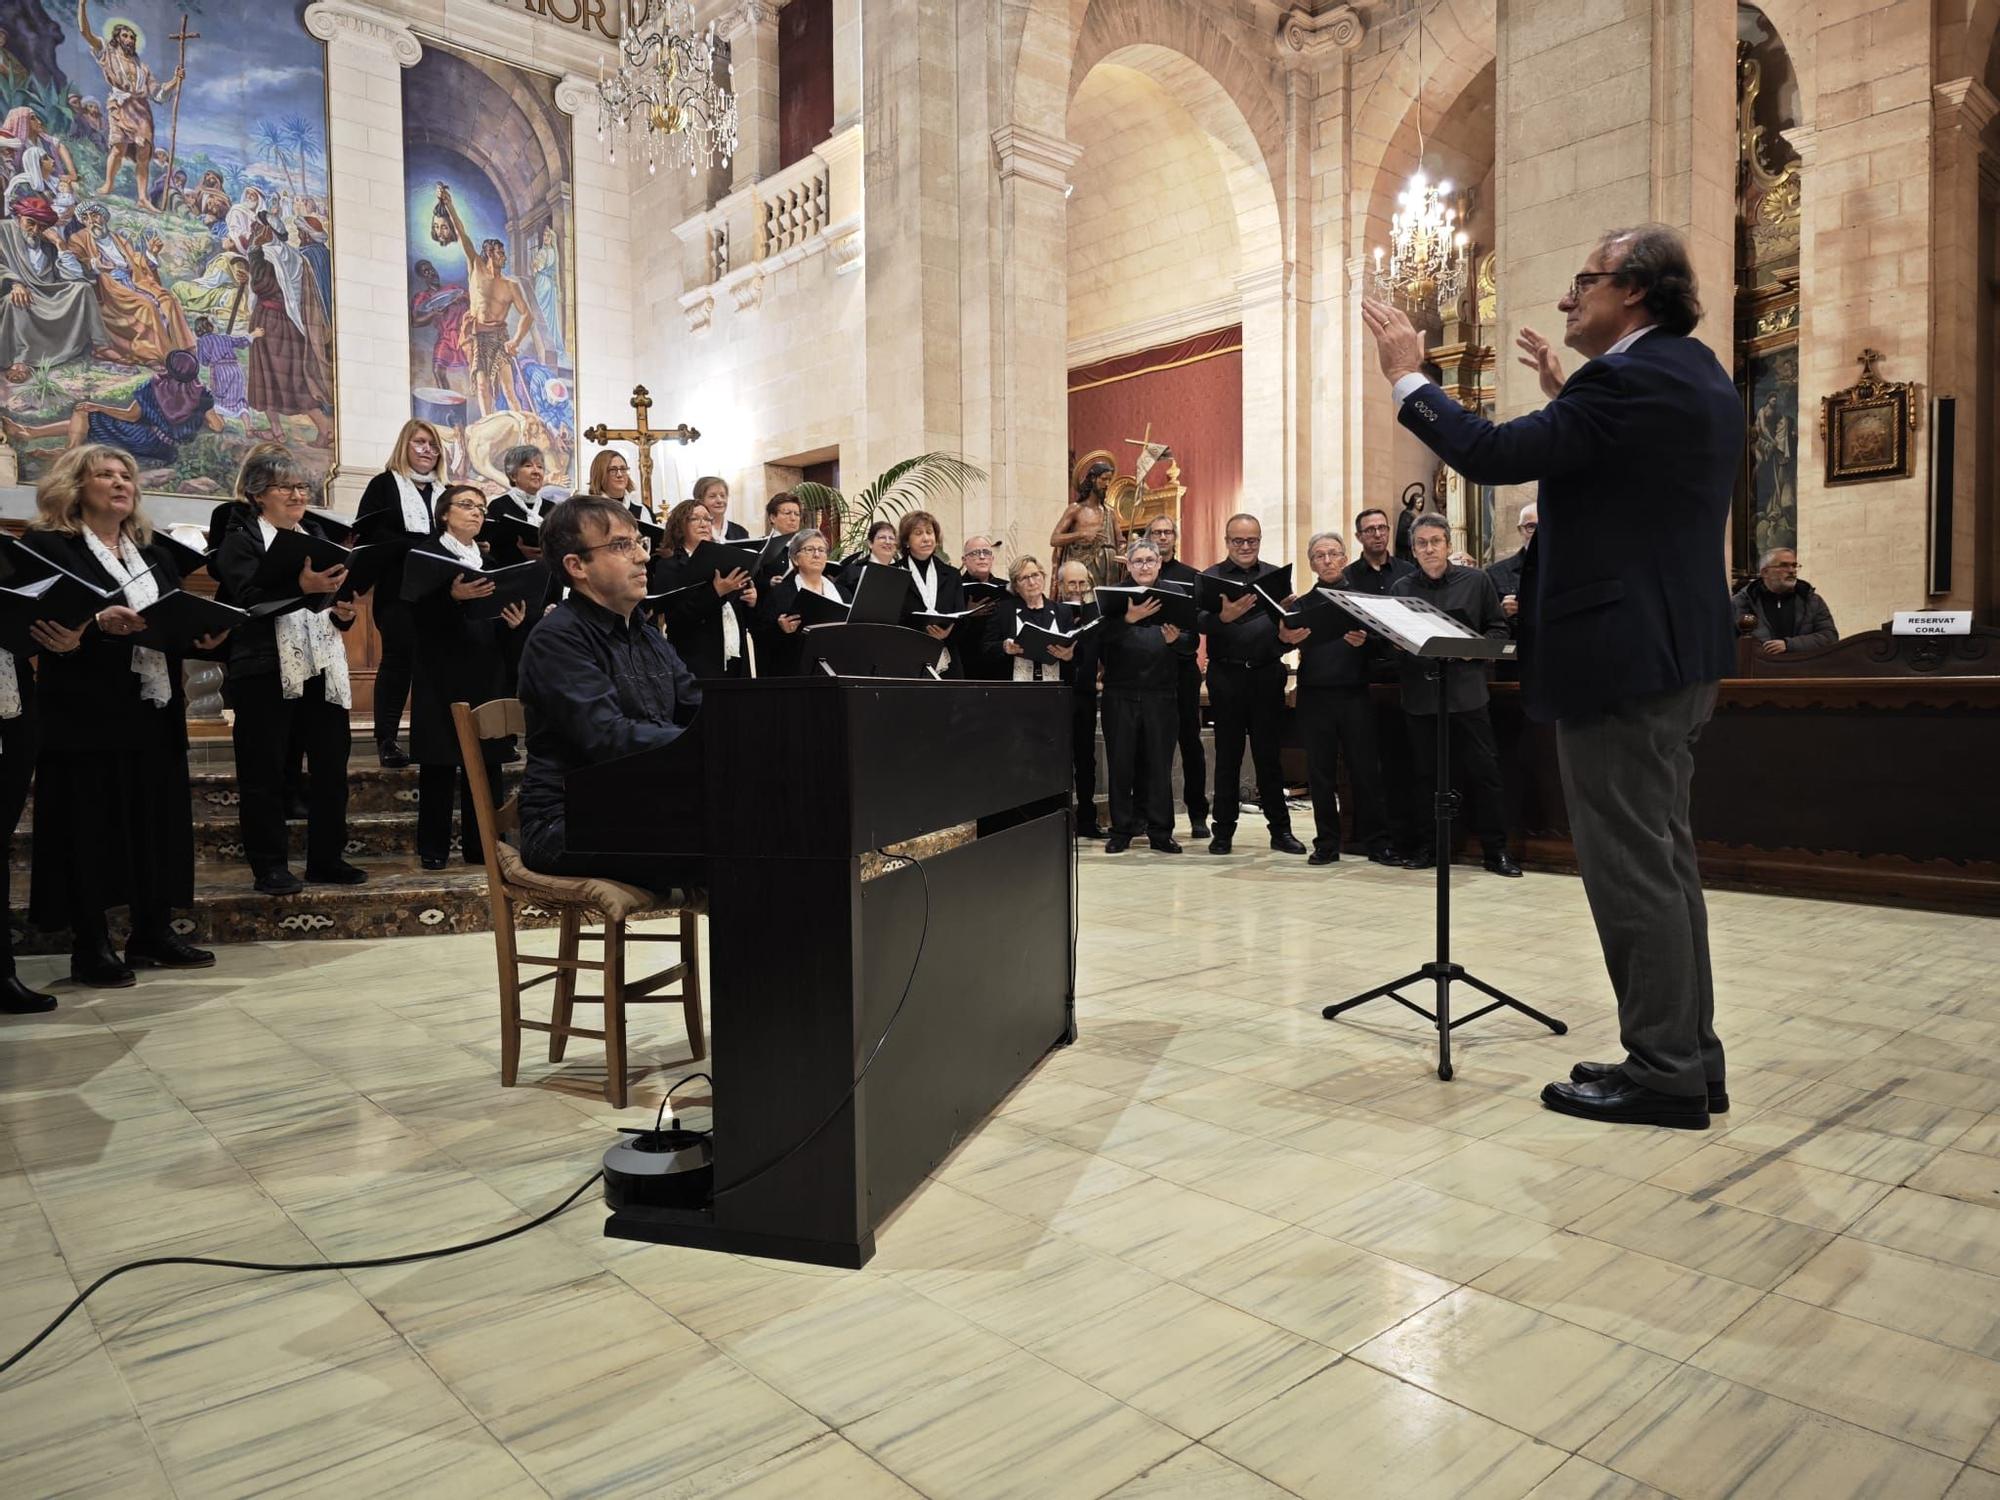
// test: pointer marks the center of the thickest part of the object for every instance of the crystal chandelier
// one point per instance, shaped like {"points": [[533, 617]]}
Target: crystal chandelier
{"points": [[1428, 252], [665, 88]]}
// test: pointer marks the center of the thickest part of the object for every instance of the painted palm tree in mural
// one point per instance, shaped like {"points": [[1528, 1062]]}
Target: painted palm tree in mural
{"points": [[272, 141], [303, 137]]}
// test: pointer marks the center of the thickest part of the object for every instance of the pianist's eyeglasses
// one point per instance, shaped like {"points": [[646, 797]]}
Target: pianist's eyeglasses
{"points": [[624, 546]]}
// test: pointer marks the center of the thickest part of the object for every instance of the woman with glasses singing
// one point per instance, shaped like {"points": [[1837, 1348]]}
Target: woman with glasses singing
{"points": [[287, 675], [706, 603], [459, 660], [1029, 605], [781, 624]]}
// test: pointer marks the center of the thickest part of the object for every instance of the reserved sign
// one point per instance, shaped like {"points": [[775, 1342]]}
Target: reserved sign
{"points": [[1931, 622]]}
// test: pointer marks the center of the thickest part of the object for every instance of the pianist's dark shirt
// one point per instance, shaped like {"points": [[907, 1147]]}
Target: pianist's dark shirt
{"points": [[593, 687]]}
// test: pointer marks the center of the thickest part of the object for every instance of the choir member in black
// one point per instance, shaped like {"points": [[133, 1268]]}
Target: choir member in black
{"points": [[527, 498], [611, 477], [288, 675], [1335, 718], [596, 683], [1164, 533], [713, 492], [1246, 686], [113, 821], [935, 586], [1376, 571], [1140, 656], [1468, 596], [1076, 588], [395, 512], [976, 566], [783, 516], [782, 626], [458, 661], [237, 509], [20, 739], [708, 619], [882, 545], [1032, 604]]}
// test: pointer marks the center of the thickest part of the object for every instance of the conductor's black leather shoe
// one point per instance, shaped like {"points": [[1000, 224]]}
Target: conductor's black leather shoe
{"points": [[1323, 857], [1618, 1101], [1222, 842], [1118, 843], [390, 754], [1502, 863], [1198, 829], [1287, 843], [279, 882], [1163, 845], [16, 999], [1590, 1072], [166, 953], [337, 874]]}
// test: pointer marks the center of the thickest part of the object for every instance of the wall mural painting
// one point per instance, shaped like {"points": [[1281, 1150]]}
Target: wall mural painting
{"points": [[165, 231], [1774, 449], [488, 170]]}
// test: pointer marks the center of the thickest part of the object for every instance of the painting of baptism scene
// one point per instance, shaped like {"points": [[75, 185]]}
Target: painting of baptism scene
{"points": [[165, 239]]}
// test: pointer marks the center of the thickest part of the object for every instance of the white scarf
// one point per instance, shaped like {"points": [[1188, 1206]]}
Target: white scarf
{"points": [[531, 504], [465, 552], [309, 644], [129, 570], [824, 588], [416, 514], [927, 587], [732, 632]]}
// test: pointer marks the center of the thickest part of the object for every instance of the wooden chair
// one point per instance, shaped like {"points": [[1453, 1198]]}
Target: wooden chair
{"points": [[573, 899]]}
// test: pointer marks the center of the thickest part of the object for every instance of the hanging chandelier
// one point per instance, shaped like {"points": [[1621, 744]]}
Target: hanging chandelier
{"points": [[664, 89], [1428, 253]]}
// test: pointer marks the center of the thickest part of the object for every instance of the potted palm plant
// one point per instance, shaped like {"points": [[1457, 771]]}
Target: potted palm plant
{"points": [[908, 485]]}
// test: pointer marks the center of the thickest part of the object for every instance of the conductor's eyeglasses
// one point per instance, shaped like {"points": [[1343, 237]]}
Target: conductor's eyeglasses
{"points": [[1580, 282]]}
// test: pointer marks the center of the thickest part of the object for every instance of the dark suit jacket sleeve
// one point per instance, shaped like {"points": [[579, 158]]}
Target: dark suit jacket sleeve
{"points": [[1572, 432]]}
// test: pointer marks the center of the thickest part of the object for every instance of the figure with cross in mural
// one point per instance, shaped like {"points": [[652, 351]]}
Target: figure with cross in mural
{"points": [[132, 91]]}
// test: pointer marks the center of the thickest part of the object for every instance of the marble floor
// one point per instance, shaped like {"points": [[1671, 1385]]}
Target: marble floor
{"points": [[1220, 1248]]}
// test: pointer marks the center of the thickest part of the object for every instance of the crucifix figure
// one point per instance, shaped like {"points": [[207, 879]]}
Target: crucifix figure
{"points": [[641, 437]]}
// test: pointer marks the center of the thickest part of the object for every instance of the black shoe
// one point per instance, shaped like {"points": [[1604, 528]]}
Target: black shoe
{"points": [[279, 882], [1387, 857], [167, 952], [1286, 842], [99, 968], [1118, 843], [1502, 863], [390, 754], [1197, 828], [1323, 857], [341, 873], [1222, 842], [1590, 1072], [1618, 1101], [1092, 831], [432, 861], [1164, 844], [296, 810], [16, 999], [1422, 859]]}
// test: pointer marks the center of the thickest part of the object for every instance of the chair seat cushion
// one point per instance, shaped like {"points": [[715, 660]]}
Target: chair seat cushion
{"points": [[613, 898]]}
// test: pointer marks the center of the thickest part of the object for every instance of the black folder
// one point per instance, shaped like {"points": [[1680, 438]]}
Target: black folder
{"points": [[817, 609], [1210, 591], [426, 574], [1312, 610], [881, 593], [978, 590], [336, 526], [516, 529], [58, 595], [289, 551], [1176, 605], [1035, 640], [187, 559], [176, 620]]}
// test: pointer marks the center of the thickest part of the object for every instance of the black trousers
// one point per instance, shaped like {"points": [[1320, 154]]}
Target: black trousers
{"points": [[1083, 752], [1194, 760], [543, 847], [265, 721], [398, 629], [20, 739], [1336, 722], [1248, 702], [1399, 784], [1475, 765], [1139, 744], [436, 785]]}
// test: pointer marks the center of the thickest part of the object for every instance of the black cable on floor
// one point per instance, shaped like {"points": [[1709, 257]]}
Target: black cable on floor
{"points": [[311, 1265]]}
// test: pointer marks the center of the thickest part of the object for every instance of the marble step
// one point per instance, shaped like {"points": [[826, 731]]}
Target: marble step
{"points": [[368, 835]]}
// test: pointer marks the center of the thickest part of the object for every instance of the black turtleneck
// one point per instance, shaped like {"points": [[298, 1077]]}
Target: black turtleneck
{"points": [[1468, 596]]}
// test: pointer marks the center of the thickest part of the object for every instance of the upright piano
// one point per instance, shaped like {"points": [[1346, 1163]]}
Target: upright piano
{"points": [[797, 797]]}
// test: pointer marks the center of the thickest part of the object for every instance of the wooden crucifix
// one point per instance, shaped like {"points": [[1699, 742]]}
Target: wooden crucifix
{"points": [[642, 437]]}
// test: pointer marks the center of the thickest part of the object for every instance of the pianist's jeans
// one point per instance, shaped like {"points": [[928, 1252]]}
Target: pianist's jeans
{"points": [[543, 848]]}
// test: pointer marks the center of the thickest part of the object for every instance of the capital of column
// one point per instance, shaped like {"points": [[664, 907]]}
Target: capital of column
{"points": [[574, 91], [1305, 39], [1803, 139], [749, 17], [1034, 155], [334, 20], [1965, 104]]}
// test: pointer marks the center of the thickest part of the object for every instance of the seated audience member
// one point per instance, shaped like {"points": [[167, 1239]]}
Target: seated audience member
{"points": [[1164, 532], [611, 477], [713, 493], [597, 683], [1141, 675], [395, 512], [1506, 573], [781, 626], [1076, 588], [1032, 604], [287, 677], [1335, 718], [707, 615], [458, 661], [113, 822], [1781, 610], [1468, 596], [935, 586]]}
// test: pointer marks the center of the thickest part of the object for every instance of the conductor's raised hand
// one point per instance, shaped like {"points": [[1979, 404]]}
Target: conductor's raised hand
{"points": [[1539, 355], [1398, 345]]}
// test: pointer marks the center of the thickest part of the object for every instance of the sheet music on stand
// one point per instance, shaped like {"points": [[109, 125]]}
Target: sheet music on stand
{"points": [[1419, 627]]}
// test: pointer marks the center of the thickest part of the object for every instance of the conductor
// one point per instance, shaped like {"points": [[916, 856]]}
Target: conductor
{"points": [[1625, 630]]}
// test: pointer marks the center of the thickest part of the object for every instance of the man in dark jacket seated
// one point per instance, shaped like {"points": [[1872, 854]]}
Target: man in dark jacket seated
{"points": [[1781, 609], [597, 682]]}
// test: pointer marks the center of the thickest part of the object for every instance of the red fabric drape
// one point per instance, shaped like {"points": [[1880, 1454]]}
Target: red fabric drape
{"points": [[1192, 393]]}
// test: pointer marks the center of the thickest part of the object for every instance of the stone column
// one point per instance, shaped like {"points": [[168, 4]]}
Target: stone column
{"points": [[1964, 167], [1265, 490], [846, 63], [752, 33], [366, 51], [602, 344]]}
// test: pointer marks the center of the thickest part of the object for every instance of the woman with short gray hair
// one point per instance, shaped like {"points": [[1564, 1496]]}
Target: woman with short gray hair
{"points": [[781, 619], [527, 501]]}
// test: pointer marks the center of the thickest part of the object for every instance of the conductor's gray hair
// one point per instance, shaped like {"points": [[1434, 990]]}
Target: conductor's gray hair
{"points": [[518, 458]]}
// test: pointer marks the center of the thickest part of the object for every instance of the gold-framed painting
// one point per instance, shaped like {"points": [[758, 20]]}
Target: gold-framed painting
{"points": [[1866, 428]]}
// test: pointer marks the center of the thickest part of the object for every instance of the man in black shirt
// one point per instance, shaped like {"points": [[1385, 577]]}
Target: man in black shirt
{"points": [[1164, 533], [1468, 596], [596, 683], [1375, 571], [1073, 587], [1246, 686], [1506, 573], [1781, 609]]}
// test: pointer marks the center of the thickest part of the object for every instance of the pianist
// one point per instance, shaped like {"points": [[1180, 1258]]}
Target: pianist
{"points": [[596, 683]]}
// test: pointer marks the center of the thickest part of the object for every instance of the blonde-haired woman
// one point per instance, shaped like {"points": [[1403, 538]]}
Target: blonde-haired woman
{"points": [[113, 824], [611, 477], [1028, 604], [395, 512]]}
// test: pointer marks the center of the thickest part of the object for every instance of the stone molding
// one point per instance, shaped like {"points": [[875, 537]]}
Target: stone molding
{"points": [[333, 20], [1034, 155], [1265, 284], [751, 15], [846, 243], [1965, 104], [574, 92], [698, 307], [1305, 39]]}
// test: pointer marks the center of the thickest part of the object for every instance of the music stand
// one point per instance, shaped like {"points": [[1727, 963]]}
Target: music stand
{"points": [[1434, 637], [865, 649]]}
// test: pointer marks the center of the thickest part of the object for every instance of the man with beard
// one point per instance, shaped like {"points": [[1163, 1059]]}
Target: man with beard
{"points": [[290, 371], [45, 314], [1781, 610], [132, 91]]}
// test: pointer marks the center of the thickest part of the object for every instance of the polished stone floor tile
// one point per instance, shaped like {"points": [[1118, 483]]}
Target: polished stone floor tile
{"points": [[1704, 1235], [1318, 1288], [1931, 1299], [1198, 1473], [1433, 1231]]}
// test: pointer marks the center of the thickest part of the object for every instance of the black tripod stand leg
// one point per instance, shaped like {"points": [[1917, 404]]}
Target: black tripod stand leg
{"points": [[1506, 999], [1375, 994], [1444, 1022]]}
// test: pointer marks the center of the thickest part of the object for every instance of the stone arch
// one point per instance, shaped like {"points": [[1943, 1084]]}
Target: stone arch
{"points": [[1458, 45], [528, 132]]}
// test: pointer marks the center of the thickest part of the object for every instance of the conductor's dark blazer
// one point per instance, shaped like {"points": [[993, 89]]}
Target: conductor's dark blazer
{"points": [[1624, 592]]}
